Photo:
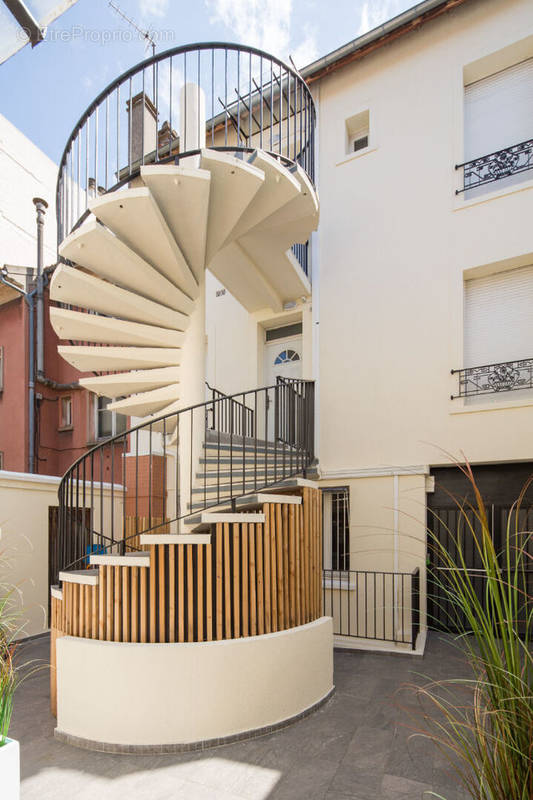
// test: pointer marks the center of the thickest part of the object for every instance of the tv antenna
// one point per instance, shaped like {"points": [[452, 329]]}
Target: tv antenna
{"points": [[146, 35]]}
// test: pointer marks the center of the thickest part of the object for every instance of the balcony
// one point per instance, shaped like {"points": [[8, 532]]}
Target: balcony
{"points": [[225, 97], [495, 166], [507, 376]]}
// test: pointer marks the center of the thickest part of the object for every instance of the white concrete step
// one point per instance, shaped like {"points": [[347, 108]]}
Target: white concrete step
{"points": [[234, 184], [134, 216], [77, 288], [302, 210], [174, 538], [238, 272], [104, 359], [182, 195], [94, 247], [139, 558], [145, 403], [87, 577], [204, 521], [279, 187], [166, 426], [284, 272], [126, 383], [84, 327], [252, 500]]}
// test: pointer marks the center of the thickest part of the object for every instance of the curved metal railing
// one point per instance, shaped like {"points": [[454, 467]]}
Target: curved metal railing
{"points": [[224, 96], [166, 468]]}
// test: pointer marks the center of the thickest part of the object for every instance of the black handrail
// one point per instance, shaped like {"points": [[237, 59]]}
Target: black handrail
{"points": [[228, 415], [251, 100], [210, 467]]}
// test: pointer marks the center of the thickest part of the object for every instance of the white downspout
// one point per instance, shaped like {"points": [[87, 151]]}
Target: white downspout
{"points": [[396, 543]]}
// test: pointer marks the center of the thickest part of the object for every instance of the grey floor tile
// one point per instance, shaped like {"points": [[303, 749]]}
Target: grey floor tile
{"points": [[396, 788], [356, 747]]}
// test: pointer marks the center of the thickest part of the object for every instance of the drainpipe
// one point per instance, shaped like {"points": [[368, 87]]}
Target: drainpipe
{"points": [[41, 206], [29, 298]]}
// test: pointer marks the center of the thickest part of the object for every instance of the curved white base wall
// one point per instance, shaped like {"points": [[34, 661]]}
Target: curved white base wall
{"points": [[176, 694]]}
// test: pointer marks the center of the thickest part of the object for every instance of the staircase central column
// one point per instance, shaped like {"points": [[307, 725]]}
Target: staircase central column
{"points": [[193, 360]]}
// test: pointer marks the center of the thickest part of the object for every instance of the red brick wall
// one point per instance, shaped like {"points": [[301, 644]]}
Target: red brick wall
{"points": [[138, 476]]}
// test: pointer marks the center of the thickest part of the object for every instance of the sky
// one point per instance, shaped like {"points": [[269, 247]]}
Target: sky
{"points": [[45, 90]]}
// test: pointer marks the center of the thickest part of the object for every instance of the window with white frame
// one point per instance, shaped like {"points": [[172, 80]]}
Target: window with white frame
{"points": [[336, 528], [357, 132], [65, 412], [108, 423], [498, 317], [498, 116]]}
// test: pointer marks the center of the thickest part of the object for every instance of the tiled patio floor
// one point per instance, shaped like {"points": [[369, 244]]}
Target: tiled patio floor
{"points": [[355, 747]]}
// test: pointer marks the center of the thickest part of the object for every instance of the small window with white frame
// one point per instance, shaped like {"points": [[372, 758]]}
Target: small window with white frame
{"points": [[357, 132], [108, 423], [336, 528]]}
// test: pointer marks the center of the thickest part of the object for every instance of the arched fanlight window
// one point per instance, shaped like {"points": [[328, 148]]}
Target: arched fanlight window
{"points": [[286, 356]]}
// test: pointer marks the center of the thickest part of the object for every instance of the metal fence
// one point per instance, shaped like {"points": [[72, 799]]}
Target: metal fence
{"points": [[383, 606], [167, 108]]}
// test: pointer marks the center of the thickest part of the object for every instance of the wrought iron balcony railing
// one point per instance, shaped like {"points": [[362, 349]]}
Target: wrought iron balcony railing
{"points": [[507, 376], [223, 96], [495, 166]]}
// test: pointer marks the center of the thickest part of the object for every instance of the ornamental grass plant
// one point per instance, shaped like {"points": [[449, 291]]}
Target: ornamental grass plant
{"points": [[483, 724]]}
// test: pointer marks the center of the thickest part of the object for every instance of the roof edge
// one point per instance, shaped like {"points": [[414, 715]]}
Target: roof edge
{"points": [[400, 25]]}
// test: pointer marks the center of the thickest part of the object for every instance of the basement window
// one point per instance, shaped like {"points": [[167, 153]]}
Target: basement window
{"points": [[336, 510], [357, 132], [65, 413], [1, 460]]}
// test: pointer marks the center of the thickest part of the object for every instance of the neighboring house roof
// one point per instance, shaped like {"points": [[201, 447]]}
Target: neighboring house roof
{"points": [[7, 294], [398, 26]]}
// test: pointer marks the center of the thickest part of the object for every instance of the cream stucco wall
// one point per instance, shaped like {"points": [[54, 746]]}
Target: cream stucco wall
{"points": [[235, 339], [395, 243], [190, 691], [24, 503], [394, 247]]}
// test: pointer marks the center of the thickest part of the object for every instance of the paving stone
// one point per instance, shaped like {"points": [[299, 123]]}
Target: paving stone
{"points": [[356, 747]]}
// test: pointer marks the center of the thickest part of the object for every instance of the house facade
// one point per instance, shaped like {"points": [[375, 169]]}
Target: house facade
{"points": [[309, 294], [419, 326]]}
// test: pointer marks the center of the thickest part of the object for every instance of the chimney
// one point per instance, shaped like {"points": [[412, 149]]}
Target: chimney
{"points": [[142, 127], [167, 140]]}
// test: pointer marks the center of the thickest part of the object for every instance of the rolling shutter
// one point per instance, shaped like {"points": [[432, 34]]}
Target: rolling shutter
{"points": [[498, 318], [499, 110]]}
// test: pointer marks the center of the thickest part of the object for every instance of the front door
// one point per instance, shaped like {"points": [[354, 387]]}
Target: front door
{"points": [[283, 357]]}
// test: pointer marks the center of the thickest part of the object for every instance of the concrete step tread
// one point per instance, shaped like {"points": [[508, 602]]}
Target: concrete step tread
{"points": [[85, 576], [204, 520], [140, 558], [174, 538]]}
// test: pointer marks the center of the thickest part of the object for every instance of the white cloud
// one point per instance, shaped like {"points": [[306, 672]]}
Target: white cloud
{"points": [[376, 12], [153, 8], [265, 24]]}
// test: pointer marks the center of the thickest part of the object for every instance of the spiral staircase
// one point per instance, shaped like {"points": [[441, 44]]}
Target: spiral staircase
{"points": [[134, 242]]}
